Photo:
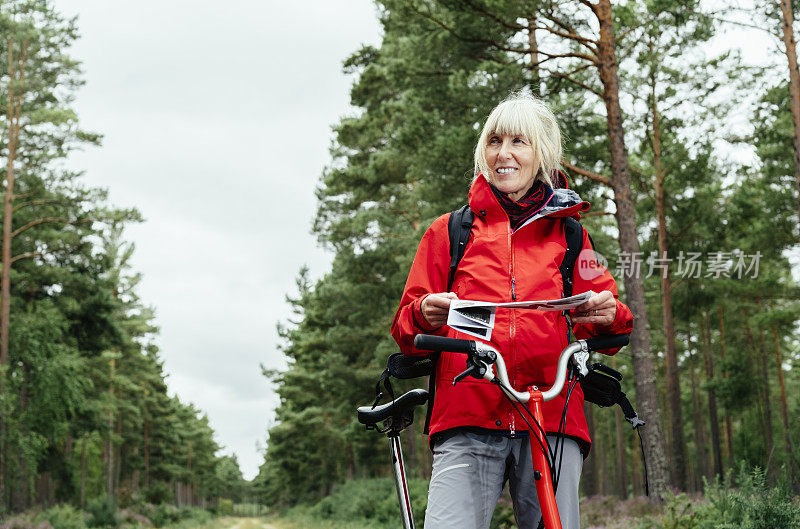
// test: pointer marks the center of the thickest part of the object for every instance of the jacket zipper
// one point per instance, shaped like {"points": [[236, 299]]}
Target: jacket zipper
{"points": [[513, 326]]}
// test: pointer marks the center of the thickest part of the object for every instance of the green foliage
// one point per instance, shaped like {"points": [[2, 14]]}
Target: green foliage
{"points": [[158, 493], [753, 504], [64, 517], [225, 507], [503, 515], [164, 515], [750, 504], [102, 512], [367, 502]]}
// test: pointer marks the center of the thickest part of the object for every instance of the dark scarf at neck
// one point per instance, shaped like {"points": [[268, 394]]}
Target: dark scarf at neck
{"points": [[519, 211]]}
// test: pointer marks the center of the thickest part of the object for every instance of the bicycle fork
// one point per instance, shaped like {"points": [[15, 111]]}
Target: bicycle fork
{"points": [[541, 468], [400, 481]]}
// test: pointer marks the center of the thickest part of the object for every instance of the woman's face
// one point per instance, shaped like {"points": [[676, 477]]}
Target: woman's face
{"points": [[512, 164]]}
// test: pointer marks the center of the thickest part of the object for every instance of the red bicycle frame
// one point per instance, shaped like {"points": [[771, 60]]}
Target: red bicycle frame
{"points": [[541, 469]]}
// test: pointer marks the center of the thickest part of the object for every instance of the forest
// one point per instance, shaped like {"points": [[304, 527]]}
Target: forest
{"points": [[689, 157], [85, 414]]}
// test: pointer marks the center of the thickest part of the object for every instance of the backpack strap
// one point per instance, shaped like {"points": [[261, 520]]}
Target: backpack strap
{"points": [[573, 233], [458, 227]]}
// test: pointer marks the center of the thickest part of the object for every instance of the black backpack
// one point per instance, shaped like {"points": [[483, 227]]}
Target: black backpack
{"points": [[459, 227]]}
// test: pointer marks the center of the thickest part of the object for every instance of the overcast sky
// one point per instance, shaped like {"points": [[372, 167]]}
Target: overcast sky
{"points": [[217, 122]]}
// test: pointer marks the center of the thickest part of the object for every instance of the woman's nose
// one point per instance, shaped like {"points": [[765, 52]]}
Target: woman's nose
{"points": [[505, 151]]}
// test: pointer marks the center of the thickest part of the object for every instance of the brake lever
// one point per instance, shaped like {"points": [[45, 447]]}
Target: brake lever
{"points": [[478, 362], [463, 375], [473, 369]]}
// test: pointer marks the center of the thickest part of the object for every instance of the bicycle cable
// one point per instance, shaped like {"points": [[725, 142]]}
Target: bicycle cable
{"points": [[544, 446], [561, 431]]}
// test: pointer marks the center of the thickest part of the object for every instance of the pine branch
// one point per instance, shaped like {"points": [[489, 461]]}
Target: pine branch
{"points": [[25, 256], [588, 174], [574, 81], [489, 42], [572, 55], [489, 14], [586, 42], [569, 32], [43, 220], [35, 203]]}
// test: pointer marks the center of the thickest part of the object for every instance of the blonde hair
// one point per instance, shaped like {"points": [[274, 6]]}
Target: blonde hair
{"points": [[525, 115]]}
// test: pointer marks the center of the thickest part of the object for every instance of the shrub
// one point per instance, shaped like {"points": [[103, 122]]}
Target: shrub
{"points": [[131, 516], [753, 505], [370, 500], [102, 512], [24, 521], [225, 507], [164, 514], [64, 517], [157, 493]]}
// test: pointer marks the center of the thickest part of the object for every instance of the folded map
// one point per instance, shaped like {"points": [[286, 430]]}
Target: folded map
{"points": [[476, 318]]}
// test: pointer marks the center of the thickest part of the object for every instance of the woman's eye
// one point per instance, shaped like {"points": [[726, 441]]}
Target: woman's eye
{"points": [[494, 139], [519, 140]]}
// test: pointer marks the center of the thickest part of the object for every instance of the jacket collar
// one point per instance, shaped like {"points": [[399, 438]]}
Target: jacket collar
{"points": [[565, 203]]}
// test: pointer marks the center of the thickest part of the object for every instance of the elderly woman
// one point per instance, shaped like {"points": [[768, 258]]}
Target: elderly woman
{"points": [[516, 246]]}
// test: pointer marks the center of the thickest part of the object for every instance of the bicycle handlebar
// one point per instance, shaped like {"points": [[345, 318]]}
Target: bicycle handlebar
{"points": [[481, 352], [429, 342], [612, 341]]}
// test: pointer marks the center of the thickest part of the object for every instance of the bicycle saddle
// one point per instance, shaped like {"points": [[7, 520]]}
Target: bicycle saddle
{"points": [[402, 406]]}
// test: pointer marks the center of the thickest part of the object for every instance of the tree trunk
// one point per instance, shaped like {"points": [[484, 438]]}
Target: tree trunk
{"points": [[716, 443], [13, 111], [637, 483], [763, 386], [787, 440], [699, 424], [622, 459], [600, 450], [110, 442], [764, 420], [146, 452], [83, 473], [728, 419], [794, 87], [767, 397], [589, 474], [533, 47], [644, 371], [118, 452], [678, 445]]}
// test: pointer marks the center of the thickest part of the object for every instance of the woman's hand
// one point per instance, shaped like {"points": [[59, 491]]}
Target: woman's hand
{"points": [[600, 309], [435, 308]]}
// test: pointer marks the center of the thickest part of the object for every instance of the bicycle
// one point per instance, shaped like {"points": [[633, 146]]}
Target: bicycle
{"points": [[480, 359]]}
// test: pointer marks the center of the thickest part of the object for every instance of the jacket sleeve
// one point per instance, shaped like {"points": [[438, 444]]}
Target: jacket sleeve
{"points": [[589, 274], [428, 275]]}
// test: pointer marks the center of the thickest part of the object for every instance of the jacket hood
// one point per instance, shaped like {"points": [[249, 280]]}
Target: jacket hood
{"points": [[564, 202]]}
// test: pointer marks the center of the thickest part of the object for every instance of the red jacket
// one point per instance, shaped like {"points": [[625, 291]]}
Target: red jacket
{"points": [[529, 340]]}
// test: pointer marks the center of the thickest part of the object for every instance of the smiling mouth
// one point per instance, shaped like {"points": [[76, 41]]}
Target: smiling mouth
{"points": [[505, 170]]}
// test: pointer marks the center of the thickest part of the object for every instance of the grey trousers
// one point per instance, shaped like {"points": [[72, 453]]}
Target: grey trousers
{"points": [[470, 470]]}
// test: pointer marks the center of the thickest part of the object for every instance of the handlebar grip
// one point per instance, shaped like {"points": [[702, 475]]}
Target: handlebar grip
{"points": [[429, 342], [612, 341]]}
